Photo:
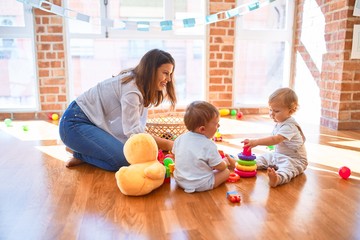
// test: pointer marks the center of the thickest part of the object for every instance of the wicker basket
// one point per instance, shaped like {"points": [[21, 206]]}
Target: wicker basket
{"points": [[168, 126]]}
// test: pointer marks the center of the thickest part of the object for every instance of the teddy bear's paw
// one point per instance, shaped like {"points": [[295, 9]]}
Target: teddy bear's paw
{"points": [[155, 171]]}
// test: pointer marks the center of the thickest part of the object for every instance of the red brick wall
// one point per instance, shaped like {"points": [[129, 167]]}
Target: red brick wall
{"points": [[50, 46], [221, 55], [339, 77]]}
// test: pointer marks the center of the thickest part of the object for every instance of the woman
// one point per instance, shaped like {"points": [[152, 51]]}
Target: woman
{"points": [[97, 124]]}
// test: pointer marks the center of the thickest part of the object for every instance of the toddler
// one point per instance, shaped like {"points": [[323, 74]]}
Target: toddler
{"points": [[199, 166], [289, 158]]}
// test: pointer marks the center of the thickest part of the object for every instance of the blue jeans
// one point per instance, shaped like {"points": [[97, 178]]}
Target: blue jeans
{"points": [[90, 143]]}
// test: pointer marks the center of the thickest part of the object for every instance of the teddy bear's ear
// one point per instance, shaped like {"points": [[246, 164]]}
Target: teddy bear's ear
{"points": [[140, 147]]}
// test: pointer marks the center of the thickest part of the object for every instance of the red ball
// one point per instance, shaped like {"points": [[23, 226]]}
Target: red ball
{"points": [[344, 172], [239, 115], [50, 116]]}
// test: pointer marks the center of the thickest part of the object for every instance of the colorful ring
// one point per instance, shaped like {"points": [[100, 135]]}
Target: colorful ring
{"points": [[233, 177], [245, 168], [245, 174], [244, 157], [246, 162]]}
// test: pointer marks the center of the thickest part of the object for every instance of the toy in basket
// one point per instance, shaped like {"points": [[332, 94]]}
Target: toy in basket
{"points": [[168, 126]]}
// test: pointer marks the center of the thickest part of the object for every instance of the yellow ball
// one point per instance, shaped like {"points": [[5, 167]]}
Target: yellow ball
{"points": [[224, 112], [55, 117]]}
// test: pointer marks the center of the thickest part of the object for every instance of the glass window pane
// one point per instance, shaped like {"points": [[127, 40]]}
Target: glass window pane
{"points": [[272, 16], [142, 9], [259, 71], [187, 9], [90, 8], [17, 87], [94, 60], [12, 14]]}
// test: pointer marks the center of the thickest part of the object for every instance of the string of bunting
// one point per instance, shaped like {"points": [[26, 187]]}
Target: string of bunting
{"points": [[166, 25]]}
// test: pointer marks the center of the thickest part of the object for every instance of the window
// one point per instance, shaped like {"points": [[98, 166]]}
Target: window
{"points": [[97, 52], [18, 91], [263, 52]]}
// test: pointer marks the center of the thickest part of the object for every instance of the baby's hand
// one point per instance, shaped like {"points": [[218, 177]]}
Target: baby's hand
{"points": [[249, 143], [230, 161]]}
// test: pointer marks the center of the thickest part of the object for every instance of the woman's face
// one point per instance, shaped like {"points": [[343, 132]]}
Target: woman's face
{"points": [[163, 75]]}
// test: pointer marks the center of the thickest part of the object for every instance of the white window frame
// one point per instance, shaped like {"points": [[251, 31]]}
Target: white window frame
{"points": [[21, 32], [276, 35], [169, 14]]}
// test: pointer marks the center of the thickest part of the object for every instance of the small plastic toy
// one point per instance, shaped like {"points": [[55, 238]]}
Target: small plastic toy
{"points": [[224, 112], [170, 155], [8, 122], [239, 115], [55, 116], [271, 147], [221, 152], [246, 154], [246, 165], [245, 168], [234, 177], [233, 196], [25, 128], [169, 166], [161, 156], [246, 162], [168, 161], [233, 112], [217, 136], [245, 174], [246, 151], [344, 172], [167, 175]]}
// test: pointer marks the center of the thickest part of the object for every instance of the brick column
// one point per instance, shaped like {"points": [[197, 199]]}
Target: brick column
{"points": [[50, 47], [221, 55], [339, 77]]}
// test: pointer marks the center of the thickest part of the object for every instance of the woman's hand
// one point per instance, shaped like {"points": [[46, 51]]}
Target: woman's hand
{"points": [[164, 144]]}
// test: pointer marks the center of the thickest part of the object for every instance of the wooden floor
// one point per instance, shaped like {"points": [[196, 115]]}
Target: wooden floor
{"points": [[42, 199]]}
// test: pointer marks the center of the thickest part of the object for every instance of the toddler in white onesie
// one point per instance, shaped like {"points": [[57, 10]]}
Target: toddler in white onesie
{"points": [[289, 158]]}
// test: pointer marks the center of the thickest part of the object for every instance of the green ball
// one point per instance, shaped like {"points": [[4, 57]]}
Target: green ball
{"points": [[233, 112], [168, 161], [8, 122]]}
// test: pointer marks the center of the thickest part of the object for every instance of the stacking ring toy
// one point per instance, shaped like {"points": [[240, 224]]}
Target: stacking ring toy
{"points": [[244, 173], [233, 177], [246, 162], [244, 157], [245, 168]]}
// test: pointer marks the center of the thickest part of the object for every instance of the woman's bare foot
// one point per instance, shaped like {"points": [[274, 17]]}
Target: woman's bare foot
{"points": [[74, 162], [273, 177]]}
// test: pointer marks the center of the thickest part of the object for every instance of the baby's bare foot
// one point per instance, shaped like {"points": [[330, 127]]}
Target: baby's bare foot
{"points": [[74, 162], [273, 177]]}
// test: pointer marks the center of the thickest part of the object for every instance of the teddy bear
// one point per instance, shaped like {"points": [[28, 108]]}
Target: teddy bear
{"points": [[145, 173]]}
